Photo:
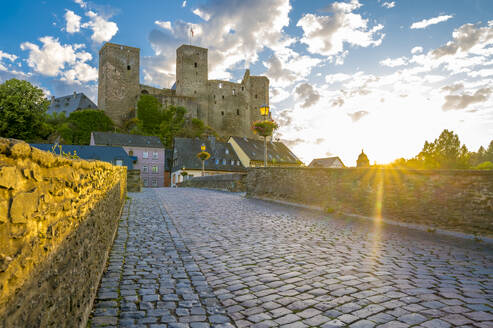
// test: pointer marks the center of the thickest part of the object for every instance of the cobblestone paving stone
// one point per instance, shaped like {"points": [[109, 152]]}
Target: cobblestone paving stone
{"points": [[197, 258]]}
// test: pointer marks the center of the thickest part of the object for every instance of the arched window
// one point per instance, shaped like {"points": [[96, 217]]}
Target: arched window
{"points": [[145, 92]]}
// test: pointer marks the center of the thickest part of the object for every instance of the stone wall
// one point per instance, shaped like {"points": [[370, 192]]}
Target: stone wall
{"points": [[228, 182], [134, 183], [58, 218], [454, 200]]}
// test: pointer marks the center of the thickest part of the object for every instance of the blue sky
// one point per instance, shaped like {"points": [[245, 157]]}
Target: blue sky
{"points": [[344, 75]]}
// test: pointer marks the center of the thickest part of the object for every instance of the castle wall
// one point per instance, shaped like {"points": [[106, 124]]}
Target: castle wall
{"points": [[228, 107]]}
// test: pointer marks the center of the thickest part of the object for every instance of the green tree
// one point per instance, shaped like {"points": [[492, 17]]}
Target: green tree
{"points": [[172, 125], [445, 152], [149, 113], [488, 156], [83, 122], [22, 109]]}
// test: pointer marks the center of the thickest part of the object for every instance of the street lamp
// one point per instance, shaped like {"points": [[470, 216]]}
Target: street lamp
{"points": [[203, 156], [264, 111]]}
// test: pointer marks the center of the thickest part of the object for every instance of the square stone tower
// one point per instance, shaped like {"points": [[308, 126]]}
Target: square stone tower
{"points": [[119, 85], [192, 72]]}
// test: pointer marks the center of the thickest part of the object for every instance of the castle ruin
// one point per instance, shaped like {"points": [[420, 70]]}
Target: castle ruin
{"points": [[228, 107]]}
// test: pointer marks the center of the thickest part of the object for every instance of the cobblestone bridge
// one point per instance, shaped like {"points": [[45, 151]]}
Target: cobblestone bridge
{"points": [[196, 258]]}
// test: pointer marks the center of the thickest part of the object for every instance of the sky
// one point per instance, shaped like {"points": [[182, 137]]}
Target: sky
{"points": [[346, 75]]}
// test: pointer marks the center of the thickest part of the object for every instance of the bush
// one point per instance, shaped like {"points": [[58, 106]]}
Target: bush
{"points": [[484, 166]]}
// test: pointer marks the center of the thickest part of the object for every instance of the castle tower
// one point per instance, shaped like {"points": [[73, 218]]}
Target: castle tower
{"points": [[118, 86], [191, 71]]}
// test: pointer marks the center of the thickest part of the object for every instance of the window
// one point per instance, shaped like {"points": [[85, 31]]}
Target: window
{"points": [[128, 67], [255, 96], [130, 152], [234, 92], [154, 182], [217, 161], [220, 85], [232, 162], [237, 112], [222, 113], [155, 169], [145, 154], [238, 163], [224, 161], [195, 64], [155, 155], [119, 162], [146, 182], [145, 169], [223, 96], [174, 179], [242, 88], [226, 151]]}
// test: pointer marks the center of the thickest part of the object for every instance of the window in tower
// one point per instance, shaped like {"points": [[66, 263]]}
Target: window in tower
{"points": [[255, 96], [222, 113], [223, 96], [237, 112], [128, 67], [195, 64], [220, 85]]}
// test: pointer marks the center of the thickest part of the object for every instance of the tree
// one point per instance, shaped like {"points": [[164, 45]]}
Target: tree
{"points": [[172, 124], [149, 113], [445, 152], [488, 156], [22, 109], [83, 122]]}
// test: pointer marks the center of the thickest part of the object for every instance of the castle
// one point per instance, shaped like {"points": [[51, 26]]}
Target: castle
{"points": [[227, 107]]}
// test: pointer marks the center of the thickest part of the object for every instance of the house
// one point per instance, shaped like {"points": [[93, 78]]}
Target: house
{"points": [[328, 162], [223, 159], [251, 153], [113, 155], [70, 103], [148, 151]]}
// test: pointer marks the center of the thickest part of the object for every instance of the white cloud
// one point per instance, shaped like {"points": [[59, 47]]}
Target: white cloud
{"points": [[81, 3], [427, 22], [54, 59], [356, 116], [73, 22], [235, 34], [326, 35], [164, 24], [482, 73], [7, 56], [417, 50], [388, 4], [338, 77], [401, 61], [467, 37], [205, 16], [103, 30], [184, 4]]}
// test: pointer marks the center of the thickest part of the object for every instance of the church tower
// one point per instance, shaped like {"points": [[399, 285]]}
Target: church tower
{"points": [[118, 85]]}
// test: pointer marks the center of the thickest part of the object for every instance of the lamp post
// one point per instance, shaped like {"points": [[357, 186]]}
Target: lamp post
{"points": [[202, 149], [264, 111]]}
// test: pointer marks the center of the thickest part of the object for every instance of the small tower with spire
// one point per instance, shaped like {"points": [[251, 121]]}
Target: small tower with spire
{"points": [[362, 160]]}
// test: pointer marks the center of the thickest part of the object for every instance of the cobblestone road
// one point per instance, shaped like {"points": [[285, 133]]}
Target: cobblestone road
{"points": [[196, 258]]}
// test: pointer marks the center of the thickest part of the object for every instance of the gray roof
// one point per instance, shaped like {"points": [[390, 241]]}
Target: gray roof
{"points": [[277, 152], [121, 139], [222, 153], [325, 162], [70, 103], [100, 153]]}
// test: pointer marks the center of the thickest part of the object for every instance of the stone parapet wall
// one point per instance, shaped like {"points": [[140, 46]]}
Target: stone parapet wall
{"points": [[134, 183], [58, 218], [230, 182], [453, 200]]}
